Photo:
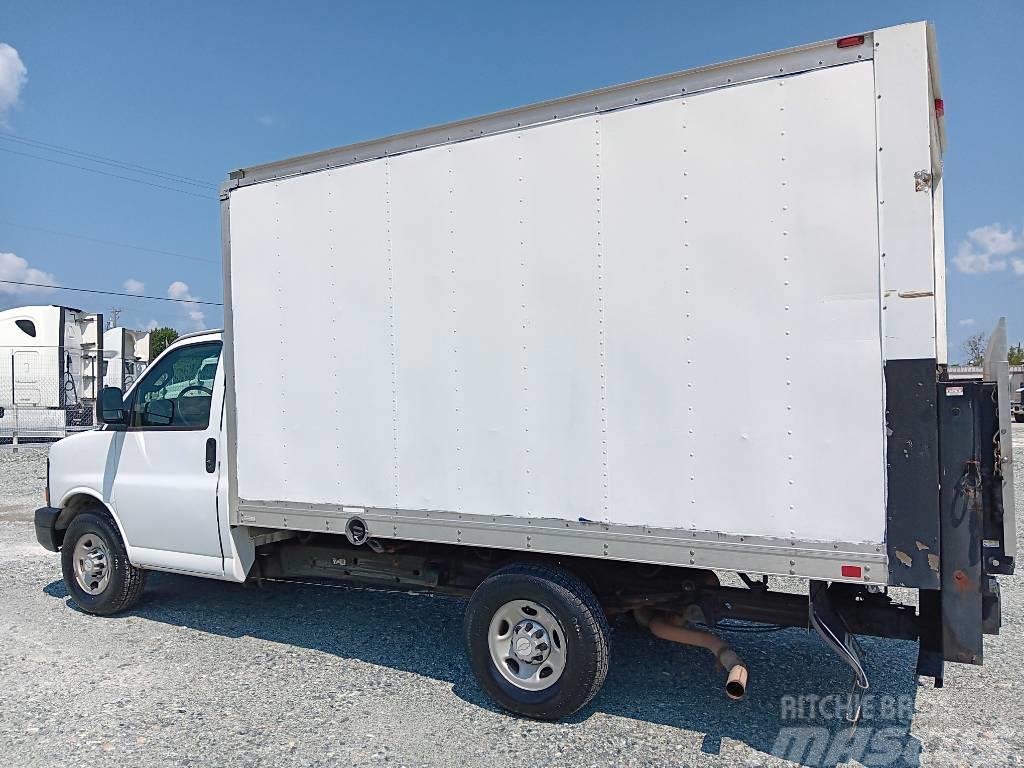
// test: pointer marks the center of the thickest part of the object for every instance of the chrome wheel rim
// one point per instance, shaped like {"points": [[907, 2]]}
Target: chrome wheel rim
{"points": [[527, 645], [91, 558]]}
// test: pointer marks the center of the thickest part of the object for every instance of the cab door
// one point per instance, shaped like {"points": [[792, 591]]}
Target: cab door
{"points": [[26, 382], [164, 488]]}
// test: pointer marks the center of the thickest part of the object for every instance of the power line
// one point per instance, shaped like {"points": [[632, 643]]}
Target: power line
{"points": [[109, 161], [112, 293], [106, 173], [160, 251]]}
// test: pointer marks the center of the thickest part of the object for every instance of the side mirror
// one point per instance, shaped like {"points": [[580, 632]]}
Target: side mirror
{"points": [[110, 406], [158, 413]]}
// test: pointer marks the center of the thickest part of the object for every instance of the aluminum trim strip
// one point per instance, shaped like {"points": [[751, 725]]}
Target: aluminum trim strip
{"points": [[702, 549]]}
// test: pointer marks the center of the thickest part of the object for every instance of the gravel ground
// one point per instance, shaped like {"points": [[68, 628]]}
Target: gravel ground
{"points": [[22, 479], [209, 673]]}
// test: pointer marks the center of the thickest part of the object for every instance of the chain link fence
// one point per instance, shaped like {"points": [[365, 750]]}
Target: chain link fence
{"points": [[48, 392]]}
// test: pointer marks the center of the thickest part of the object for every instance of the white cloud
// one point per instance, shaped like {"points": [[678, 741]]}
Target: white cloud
{"points": [[131, 285], [1018, 266], [152, 325], [13, 76], [265, 120], [13, 267], [996, 240], [986, 249], [967, 321], [180, 291]]}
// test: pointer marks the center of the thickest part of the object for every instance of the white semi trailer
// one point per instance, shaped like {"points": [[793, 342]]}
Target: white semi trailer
{"points": [[49, 370], [528, 330]]}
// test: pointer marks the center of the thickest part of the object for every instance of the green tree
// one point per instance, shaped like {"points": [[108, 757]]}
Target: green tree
{"points": [[1017, 354], [973, 348], [160, 339]]}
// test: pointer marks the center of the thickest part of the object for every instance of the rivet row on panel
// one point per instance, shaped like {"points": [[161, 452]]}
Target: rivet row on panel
{"points": [[524, 293], [600, 318], [453, 300], [391, 325], [339, 431], [686, 255], [279, 290], [784, 273]]}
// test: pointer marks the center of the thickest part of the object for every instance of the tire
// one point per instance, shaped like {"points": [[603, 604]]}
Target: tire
{"points": [[570, 622], [96, 570]]}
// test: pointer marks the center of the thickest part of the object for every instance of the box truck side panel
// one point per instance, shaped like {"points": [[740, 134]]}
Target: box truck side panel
{"points": [[555, 332], [499, 370], [313, 341], [741, 249], [611, 318], [491, 337]]}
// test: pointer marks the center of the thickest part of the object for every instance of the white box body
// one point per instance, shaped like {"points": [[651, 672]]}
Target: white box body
{"points": [[672, 314]]}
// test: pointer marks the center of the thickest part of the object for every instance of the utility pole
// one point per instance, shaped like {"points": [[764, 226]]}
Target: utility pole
{"points": [[115, 312]]}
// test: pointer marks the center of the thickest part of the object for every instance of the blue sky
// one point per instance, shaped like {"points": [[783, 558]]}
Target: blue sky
{"points": [[196, 89]]}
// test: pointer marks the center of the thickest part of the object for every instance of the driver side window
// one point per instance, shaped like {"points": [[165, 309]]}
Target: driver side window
{"points": [[176, 392]]}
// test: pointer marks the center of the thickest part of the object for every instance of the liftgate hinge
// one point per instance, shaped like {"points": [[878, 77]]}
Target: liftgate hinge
{"points": [[922, 181]]}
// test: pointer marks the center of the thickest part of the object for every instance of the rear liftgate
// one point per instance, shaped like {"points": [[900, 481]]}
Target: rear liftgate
{"points": [[976, 508], [950, 449]]}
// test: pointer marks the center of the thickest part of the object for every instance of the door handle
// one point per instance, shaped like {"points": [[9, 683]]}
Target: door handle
{"points": [[211, 455]]}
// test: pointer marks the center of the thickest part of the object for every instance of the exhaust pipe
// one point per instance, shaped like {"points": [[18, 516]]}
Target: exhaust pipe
{"points": [[736, 683]]}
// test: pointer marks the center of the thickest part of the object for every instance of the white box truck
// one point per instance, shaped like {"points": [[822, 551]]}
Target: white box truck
{"points": [[506, 358]]}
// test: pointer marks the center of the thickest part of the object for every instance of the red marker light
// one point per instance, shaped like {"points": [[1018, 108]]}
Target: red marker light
{"points": [[851, 571], [940, 108], [850, 42]]}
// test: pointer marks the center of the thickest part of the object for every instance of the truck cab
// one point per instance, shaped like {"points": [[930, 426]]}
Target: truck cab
{"points": [[153, 469]]}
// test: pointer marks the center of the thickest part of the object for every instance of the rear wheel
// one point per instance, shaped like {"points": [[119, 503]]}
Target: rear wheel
{"points": [[95, 564], [537, 640]]}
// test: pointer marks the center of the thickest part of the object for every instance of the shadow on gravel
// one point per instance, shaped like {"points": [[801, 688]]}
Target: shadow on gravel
{"points": [[793, 708]]}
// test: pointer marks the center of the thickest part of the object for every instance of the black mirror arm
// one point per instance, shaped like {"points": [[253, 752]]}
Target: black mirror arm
{"points": [[119, 425]]}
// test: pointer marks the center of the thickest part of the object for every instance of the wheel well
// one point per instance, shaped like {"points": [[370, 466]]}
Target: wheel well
{"points": [[71, 508]]}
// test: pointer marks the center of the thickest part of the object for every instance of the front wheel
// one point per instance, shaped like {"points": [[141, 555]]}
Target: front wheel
{"points": [[537, 640], [95, 564]]}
